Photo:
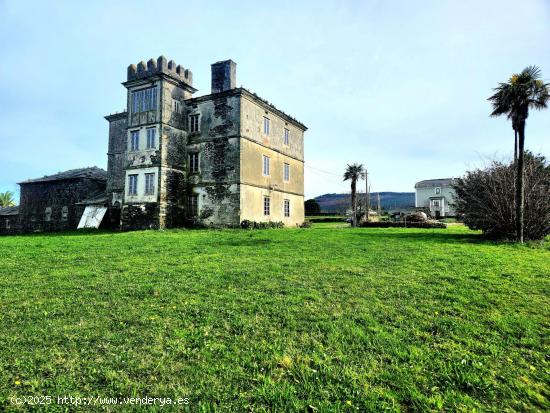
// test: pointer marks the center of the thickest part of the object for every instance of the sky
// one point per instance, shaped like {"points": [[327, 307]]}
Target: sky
{"points": [[397, 85]]}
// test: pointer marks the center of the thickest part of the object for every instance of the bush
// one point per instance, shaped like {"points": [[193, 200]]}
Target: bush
{"points": [[388, 224], [247, 224], [485, 198], [305, 224]]}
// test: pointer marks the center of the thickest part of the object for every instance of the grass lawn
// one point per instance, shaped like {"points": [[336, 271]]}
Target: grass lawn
{"points": [[322, 319]]}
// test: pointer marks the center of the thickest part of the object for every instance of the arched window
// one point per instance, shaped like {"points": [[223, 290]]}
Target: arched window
{"points": [[64, 213], [48, 214]]}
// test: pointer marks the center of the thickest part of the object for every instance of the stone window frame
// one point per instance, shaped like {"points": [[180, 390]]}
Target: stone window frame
{"points": [[266, 165], [267, 125], [286, 208], [7, 223], [132, 184], [286, 172], [194, 123], [194, 162], [134, 144], [144, 100], [48, 214], [149, 183], [286, 137], [193, 204], [65, 213], [151, 134], [267, 205]]}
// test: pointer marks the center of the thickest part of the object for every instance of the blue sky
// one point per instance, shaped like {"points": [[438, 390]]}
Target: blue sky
{"points": [[400, 86]]}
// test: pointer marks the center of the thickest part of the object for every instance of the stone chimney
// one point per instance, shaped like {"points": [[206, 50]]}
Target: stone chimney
{"points": [[224, 76]]}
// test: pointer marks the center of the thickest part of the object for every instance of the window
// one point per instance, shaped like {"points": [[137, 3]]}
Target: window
{"points": [[194, 162], [286, 172], [286, 137], [436, 203], [132, 184], [144, 100], [193, 204], [176, 105], [151, 138], [8, 224], [287, 207], [267, 203], [64, 213], [134, 140], [266, 165], [48, 214], [149, 184], [193, 123], [437, 190], [266, 125]]}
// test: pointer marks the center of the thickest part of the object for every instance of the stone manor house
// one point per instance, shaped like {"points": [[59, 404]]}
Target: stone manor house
{"points": [[177, 160]]}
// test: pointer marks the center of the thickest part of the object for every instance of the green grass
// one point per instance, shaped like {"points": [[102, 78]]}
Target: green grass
{"points": [[334, 318]]}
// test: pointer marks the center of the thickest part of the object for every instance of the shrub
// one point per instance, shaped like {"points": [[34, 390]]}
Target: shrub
{"points": [[485, 198], [247, 224], [305, 224], [388, 224]]}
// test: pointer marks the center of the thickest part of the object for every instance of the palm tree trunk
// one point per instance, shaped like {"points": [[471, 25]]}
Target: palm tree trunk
{"points": [[519, 183], [515, 145], [353, 203]]}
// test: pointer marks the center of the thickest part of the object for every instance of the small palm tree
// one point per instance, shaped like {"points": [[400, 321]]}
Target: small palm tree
{"points": [[354, 172], [514, 98], [6, 199]]}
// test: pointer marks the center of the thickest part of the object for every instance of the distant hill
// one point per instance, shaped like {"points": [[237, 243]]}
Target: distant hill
{"points": [[389, 201]]}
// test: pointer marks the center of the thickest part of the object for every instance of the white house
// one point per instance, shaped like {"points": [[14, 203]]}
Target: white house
{"points": [[437, 196]]}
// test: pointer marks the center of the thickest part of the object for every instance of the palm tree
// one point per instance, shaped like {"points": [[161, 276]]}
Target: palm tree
{"points": [[6, 199], [354, 172], [514, 98]]}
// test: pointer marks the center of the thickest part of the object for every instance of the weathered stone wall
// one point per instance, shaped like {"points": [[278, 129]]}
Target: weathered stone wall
{"points": [[217, 142], [36, 197], [116, 156], [254, 145]]}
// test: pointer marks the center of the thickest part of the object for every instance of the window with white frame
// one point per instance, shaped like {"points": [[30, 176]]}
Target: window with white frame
{"points": [[193, 204], [266, 165], [132, 184], [144, 100], [149, 184], [437, 190], [286, 137], [436, 204], [194, 162], [267, 205], [287, 207], [151, 138], [64, 213], [193, 123], [176, 105], [286, 172], [134, 140], [266, 125]]}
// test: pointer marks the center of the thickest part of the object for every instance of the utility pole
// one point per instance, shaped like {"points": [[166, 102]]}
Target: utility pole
{"points": [[366, 196], [378, 209]]}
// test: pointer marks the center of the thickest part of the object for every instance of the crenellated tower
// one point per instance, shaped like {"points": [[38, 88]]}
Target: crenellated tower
{"points": [[155, 151]]}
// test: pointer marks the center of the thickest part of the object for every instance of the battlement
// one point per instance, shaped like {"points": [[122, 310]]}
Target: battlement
{"points": [[143, 70]]}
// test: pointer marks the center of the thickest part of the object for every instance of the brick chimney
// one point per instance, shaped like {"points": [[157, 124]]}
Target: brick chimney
{"points": [[224, 76]]}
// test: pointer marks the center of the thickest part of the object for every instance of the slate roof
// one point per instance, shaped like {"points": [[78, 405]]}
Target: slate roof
{"points": [[91, 173], [100, 198], [430, 183], [11, 210]]}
